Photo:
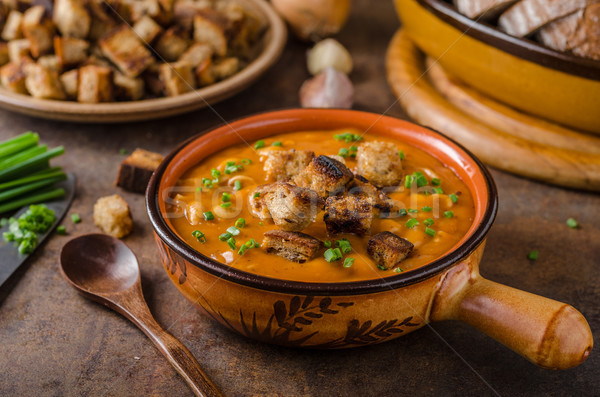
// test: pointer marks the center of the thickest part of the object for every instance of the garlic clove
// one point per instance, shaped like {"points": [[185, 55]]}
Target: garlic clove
{"points": [[313, 19], [329, 89], [328, 52]]}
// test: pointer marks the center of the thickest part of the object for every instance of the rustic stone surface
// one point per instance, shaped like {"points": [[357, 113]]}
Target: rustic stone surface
{"points": [[53, 342]]}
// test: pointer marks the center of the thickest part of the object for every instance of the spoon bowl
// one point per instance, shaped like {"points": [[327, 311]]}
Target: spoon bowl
{"points": [[105, 270]]}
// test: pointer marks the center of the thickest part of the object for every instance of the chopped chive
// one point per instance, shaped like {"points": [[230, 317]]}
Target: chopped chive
{"points": [[343, 152], [208, 216], [381, 267], [225, 205], [237, 185], [344, 245], [448, 214], [412, 223], [429, 232], [572, 223], [240, 223], [348, 262], [199, 189], [402, 212], [426, 209], [199, 236], [348, 137], [61, 230], [401, 154], [436, 181], [438, 190], [229, 169], [330, 255], [242, 249], [276, 143], [233, 230], [250, 243], [338, 253], [426, 193], [231, 243], [428, 222], [532, 256], [256, 195], [246, 161], [398, 270], [75, 218], [421, 181], [207, 183], [229, 163], [453, 197], [225, 236], [408, 182], [353, 148], [259, 144], [327, 244], [226, 197], [215, 173], [353, 155], [256, 245], [123, 151], [260, 223], [412, 210]]}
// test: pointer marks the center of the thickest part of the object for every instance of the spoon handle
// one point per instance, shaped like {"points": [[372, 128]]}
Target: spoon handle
{"points": [[178, 355]]}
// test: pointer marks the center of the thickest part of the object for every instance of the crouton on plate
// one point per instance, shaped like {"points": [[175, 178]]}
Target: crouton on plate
{"points": [[125, 50], [95, 84], [112, 216], [12, 77], [325, 176], [380, 163], [388, 249], [177, 77], [43, 83], [348, 214], [284, 164], [292, 208], [293, 246], [38, 29], [209, 29], [71, 18]]}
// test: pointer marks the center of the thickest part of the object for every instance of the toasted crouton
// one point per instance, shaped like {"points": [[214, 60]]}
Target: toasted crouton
{"points": [[348, 214], [165, 17], [12, 77], [177, 77], [388, 250], [135, 171], [50, 62], [18, 49], [12, 28], [146, 29], [204, 73], [185, 10], [380, 163], [324, 175], [70, 82], [172, 44], [152, 81], [196, 54], [337, 157], [43, 83], [208, 29], [257, 203], [285, 164], [360, 186], [112, 216], [123, 48], [225, 67], [101, 22], [4, 58], [70, 51], [95, 84], [72, 18], [128, 87], [292, 208], [38, 29], [141, 8], [293, 246]]}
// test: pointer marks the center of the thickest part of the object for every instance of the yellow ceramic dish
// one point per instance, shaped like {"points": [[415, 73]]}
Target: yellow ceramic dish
{"points": [[549, 84]]}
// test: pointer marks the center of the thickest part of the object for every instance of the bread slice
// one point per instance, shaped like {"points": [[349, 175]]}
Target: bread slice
{"points": [[388, 249], [578, 32], [293, 246], [483, 9], [527, 16], [292, 208], [135, 171], [348, 214]]}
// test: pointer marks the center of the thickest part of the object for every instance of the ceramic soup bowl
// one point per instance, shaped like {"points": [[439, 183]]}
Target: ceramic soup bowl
{"points": [[348, 314]]}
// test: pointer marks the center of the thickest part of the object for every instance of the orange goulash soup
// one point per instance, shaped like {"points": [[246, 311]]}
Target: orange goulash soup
{"points": [[433, 214]]}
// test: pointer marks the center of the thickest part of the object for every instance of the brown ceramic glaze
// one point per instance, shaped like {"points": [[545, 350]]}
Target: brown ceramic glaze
{"points": [[338, 315], [105, 270]]}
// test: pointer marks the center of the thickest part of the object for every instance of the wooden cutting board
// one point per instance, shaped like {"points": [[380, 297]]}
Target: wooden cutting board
{"points": [[500, 136]]}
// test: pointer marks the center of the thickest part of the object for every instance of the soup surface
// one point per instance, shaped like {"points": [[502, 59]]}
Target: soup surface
{"points": [[433, 215]]}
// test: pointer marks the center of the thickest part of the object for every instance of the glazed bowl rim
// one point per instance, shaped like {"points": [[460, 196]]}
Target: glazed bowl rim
{"points": [[229, 273], [517, 46]]}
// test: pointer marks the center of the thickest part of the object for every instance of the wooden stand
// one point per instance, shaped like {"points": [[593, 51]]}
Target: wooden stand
{"points": [[500, 136]]}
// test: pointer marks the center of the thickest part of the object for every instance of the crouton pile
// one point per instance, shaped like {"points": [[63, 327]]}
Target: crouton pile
{"points": [[94, 51], [308, 184]]}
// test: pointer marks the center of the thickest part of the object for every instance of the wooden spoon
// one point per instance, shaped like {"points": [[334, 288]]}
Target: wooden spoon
{"points": [[105, 270]]}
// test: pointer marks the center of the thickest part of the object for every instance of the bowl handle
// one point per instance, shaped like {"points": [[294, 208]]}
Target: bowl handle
{"points": [[549, 333]]}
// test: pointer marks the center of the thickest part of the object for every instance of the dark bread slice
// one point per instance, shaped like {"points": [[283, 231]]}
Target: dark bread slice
{"points": [[137, 169], [527, 16], [483, 9], [388, 249], [293, 246], [325, 176], [348, 214]]}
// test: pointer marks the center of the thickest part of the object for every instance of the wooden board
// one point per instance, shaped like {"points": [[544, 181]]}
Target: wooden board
{"points": [[497, 137]]}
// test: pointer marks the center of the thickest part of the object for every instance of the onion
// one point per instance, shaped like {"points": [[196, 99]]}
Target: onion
{"points": [[313, 19]]}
